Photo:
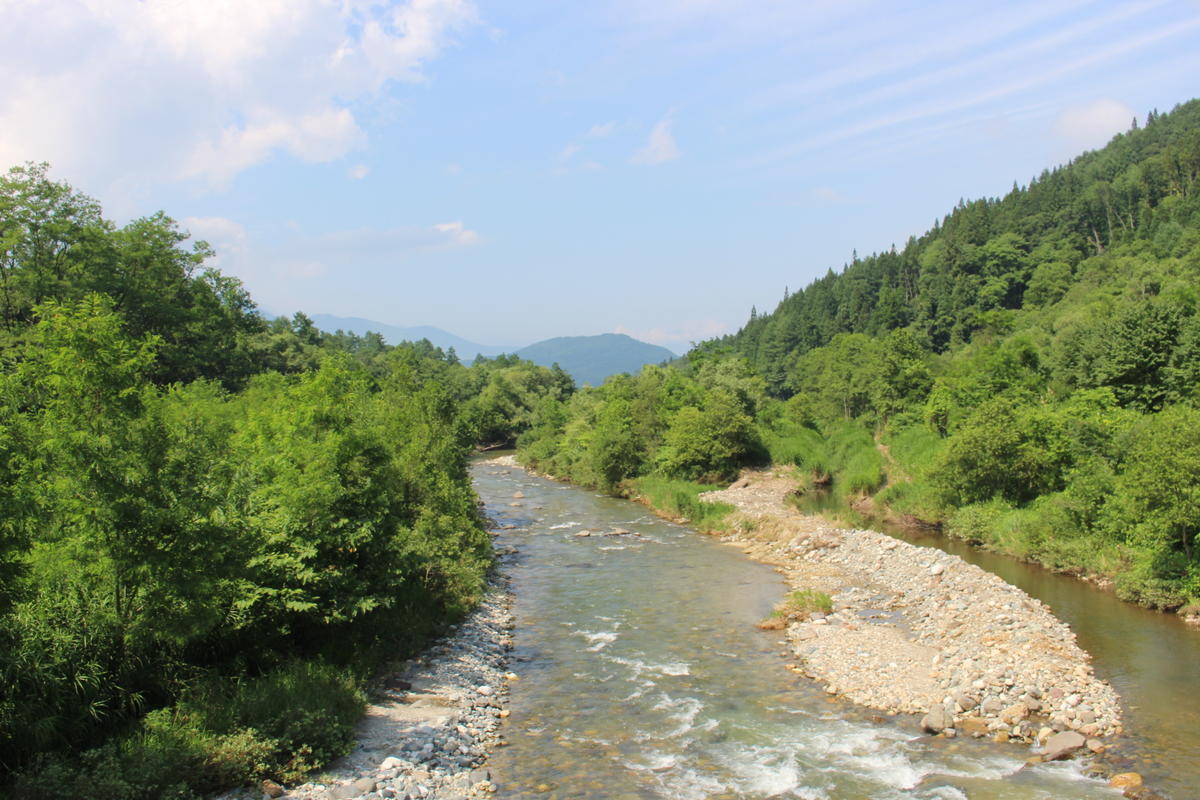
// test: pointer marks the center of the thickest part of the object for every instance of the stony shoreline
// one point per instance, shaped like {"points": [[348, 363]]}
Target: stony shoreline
{"points": [[918, 631], [432, 720]]}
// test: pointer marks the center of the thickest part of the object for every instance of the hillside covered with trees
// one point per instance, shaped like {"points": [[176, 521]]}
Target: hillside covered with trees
{"points": [[1026, 374], [214, 526]]}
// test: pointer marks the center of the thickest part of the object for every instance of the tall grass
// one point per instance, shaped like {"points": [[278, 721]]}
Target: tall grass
{"points": [[914, 447], [789, 443], [855, 460], [681, 499]]}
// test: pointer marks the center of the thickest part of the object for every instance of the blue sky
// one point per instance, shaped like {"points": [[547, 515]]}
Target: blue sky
{"points": [[511, 171]]}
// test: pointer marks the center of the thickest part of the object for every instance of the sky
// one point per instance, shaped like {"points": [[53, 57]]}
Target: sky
{"points": [[513, 170]]}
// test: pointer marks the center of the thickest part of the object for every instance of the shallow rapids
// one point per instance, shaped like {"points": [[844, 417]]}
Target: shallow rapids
{"points": [[642, 675]]}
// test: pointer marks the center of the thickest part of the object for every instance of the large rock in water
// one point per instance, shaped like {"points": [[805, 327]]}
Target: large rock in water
{"points": [[1126, 781], [936, 720], [1061, 745]]}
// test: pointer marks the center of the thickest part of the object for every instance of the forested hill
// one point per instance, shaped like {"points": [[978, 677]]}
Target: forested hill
{"points": [[591, 359], [1026, 375], [1134, 201]]}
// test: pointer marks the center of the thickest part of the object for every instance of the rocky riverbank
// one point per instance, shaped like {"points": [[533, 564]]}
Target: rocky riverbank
{"points": [[915, 630], [432, 720]]}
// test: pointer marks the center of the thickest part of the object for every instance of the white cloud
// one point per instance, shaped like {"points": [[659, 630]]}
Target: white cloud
{"points": [[456, 233], [359, 171], [1091, 126], [314, 138], [940, 94], [679, 338], [128, 91], [660, 147], [568, 151], [227, 238], [602, 130]]}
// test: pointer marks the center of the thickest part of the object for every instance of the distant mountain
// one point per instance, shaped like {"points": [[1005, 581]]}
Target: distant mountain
{"points": [[467, 350], [591, 359]]}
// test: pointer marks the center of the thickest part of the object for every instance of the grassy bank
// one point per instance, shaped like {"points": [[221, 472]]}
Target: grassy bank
{"points": [[1071, 531], [679, 500]]}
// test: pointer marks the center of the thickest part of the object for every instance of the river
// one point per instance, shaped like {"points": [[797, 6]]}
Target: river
{"points": [[642, 675]]}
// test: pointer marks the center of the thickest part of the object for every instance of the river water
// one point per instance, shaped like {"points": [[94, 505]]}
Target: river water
{"points": [[642, 676]]}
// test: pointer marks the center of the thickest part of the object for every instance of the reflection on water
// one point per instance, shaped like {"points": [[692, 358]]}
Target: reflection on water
{"points": [[643, 676], [1152, 659]]}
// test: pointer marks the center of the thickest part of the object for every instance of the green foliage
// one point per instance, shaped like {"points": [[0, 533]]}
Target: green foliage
{"points": [[1004, 449], [616, 451], [55, 246], [1156, 506], [709, 444], [198, 510], [696, 429], [306, 710], [977, 522], [280, 725], [856, 460], [502, 402], [788, 442]]}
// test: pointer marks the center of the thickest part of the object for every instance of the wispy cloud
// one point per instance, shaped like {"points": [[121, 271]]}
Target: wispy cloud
{"points": [[602, 130], [456, 234], [660, 147], [382, 245], [828, 196], [895, 49], [942, 106]]}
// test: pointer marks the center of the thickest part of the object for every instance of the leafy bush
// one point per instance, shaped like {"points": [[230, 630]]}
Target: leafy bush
{"points": [[709, 444], [978, 523], [1004, 448], [167, 756], [855, 460]]}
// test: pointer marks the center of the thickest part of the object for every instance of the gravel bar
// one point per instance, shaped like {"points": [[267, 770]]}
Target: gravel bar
{"points": [[918, 631]]}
